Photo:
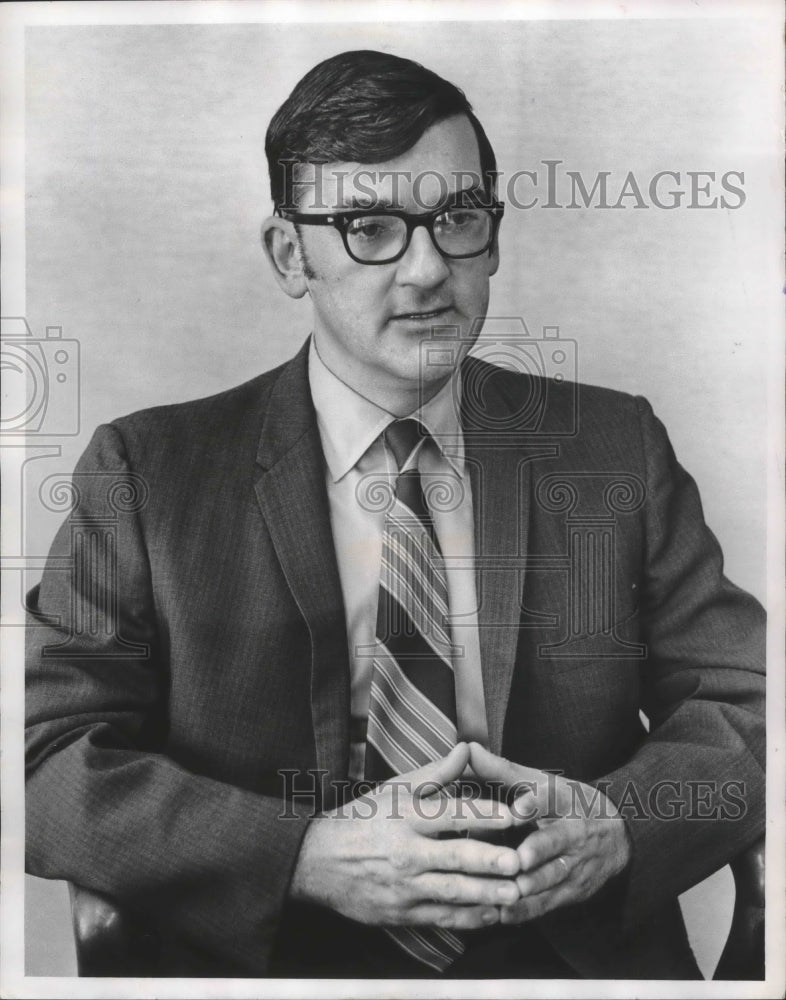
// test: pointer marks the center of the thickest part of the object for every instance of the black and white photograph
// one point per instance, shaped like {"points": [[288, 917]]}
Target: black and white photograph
{"points": [[392, 449]]}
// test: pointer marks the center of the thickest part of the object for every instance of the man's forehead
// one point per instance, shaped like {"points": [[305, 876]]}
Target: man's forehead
{"points": [[444, 161]]}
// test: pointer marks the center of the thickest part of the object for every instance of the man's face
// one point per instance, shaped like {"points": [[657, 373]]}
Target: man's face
{"points": [[370, 320]]}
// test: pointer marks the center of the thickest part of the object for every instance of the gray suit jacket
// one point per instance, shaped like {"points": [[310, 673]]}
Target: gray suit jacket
{"points": [[188, 642]]}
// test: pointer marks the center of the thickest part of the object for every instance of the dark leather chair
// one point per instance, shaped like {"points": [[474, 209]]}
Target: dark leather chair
{"points": [[110, 943], [743, 954]]}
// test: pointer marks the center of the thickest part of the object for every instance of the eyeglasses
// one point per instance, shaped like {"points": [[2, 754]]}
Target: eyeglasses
{"points": [[381, 237]]}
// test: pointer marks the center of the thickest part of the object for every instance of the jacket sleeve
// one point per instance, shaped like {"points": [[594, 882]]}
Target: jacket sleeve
{"points": [[693, 794], [106, 808]]}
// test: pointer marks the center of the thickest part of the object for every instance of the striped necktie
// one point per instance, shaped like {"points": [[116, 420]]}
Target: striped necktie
{"points": [[412, 704]]}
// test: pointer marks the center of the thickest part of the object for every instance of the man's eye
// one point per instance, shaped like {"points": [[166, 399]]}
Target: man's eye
{"points": [[368, 229], [458, 219]]}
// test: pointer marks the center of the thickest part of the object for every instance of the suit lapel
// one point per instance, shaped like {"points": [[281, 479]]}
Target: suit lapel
{"points": [[499, 459], [292, 495]]}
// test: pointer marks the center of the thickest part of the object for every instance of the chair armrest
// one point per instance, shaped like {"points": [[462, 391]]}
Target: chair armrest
{"points": [[108, 941], [743, 955]]}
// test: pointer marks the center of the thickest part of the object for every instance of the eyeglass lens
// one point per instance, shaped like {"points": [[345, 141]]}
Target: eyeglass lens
{"points": [[458, 233]]}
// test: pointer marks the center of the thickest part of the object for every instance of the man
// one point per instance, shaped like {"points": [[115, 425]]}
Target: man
{"points": [[300, 619]]}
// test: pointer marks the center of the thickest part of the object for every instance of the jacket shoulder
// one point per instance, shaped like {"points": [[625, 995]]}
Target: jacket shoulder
{"points": [[176, 433], [249, 395], [548, 406]]}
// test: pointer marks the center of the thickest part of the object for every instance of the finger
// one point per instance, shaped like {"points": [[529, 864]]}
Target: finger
{"points": [[547, 876], [547, 797], [473, 857], [493, 768], [526, 807], [537, 793], [464, 890], [458, 918], [532, 907], [436, 814], [431, 777], [546, 844]]}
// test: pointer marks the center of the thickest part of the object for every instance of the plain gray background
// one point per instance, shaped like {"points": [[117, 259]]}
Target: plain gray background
{"points": [[146, 183]]}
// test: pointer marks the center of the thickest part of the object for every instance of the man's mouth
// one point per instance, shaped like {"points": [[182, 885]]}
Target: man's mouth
{"points": [[423, 315]]}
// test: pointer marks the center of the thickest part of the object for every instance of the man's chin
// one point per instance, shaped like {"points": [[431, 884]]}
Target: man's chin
{"points": [[421, 388]]}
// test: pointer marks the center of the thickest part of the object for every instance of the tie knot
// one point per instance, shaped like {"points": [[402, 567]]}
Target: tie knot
{"points": [[403, 436]]}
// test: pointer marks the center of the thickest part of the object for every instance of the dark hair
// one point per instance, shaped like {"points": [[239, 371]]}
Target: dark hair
{"points": [[362, 107]]}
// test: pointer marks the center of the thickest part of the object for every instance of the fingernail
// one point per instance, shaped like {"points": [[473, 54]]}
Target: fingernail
{"points": [[507, 864], [489, 916], [524, 808]]}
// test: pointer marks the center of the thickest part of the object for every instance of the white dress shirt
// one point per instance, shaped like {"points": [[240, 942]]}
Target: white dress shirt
{"points": [[357, 458]]}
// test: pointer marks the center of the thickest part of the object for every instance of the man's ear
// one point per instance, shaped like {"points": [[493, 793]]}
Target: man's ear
{"points": [[279, 240]]}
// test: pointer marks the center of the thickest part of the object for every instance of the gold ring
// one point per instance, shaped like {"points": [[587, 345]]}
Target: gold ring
{"points": [[565, 864]]}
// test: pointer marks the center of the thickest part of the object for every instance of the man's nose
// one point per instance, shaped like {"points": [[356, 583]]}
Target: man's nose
{"points": [[422, 264]]}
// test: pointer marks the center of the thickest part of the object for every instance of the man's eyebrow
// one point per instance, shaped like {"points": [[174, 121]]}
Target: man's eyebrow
{"points": [[382, 202], [474, 194]]}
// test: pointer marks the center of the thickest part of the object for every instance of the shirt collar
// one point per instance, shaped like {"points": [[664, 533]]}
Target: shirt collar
{"points": [[349, 423]]}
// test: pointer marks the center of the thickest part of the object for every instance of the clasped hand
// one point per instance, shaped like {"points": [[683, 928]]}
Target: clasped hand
{"points": [[409, 854]]}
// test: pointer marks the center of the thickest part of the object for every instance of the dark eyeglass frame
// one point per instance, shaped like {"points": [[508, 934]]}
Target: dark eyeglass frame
{"points": [[342, 220]]}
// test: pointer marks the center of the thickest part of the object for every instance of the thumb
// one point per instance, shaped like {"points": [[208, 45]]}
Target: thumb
{"points": [[431, 777], [489, 766]]}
